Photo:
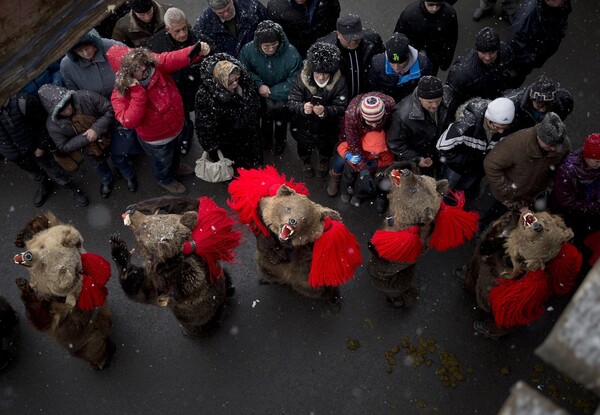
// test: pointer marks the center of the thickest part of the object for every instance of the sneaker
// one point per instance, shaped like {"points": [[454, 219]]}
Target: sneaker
{"points": [[355, 201], [185, 170], [106, 189], [345, 197], [174, 187], [132, 184], [42, 192], [459, 274]]}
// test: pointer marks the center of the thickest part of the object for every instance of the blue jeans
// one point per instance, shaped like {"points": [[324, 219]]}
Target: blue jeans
{"points": [[100, 165], [124, 143], [165, 158]]}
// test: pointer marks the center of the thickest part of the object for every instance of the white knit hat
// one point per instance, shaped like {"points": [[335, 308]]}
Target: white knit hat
{"points": [[500, 111]]}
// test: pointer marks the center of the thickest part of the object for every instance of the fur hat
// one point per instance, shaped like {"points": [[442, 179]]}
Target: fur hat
{"points": [[218, 4], [267, 31], [430, 87], [350, 27], [487, 40], [551, 130], [323, 57], [140, 6], [591, 147], [500, 111], [372, 108], [543, 89], [396, 49]]}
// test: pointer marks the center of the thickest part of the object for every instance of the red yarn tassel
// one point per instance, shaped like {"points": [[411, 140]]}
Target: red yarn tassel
{"points": [[403, 246], [252, 185], [564, 268], [592, 241], [336, 255], [453, 225], [96, 273], [519, 302]]}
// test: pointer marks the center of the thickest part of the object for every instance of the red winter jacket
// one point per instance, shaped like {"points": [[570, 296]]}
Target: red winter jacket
{"points": [[154, 112]]}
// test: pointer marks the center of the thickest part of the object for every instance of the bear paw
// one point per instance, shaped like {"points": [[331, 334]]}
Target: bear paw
{"points": [[24, 286], [119, 252]]}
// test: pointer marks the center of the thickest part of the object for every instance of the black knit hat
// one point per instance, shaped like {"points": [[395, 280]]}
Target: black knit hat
{"points": [[543, 89], [487, 40], [551, 130], [323, 57], [267, 31], [430, 87], [396, 49], [140, 6]]}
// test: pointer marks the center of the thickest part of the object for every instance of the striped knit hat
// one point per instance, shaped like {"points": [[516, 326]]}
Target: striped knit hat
{"points": [[372, 108]]}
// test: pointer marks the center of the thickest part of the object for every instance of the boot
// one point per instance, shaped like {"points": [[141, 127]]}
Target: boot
{"points": [[333, 185], [307, 168], [42, 192], [77, 194], [279, 146], [322, 167]]}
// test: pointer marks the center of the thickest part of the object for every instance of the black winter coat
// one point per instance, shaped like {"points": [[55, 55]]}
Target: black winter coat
{"points": [[436, 34], [310, 129], [294, 19], [227, 120], [355, 64]]}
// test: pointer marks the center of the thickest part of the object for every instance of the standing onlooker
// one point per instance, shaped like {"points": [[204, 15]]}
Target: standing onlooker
{"points": [[431, 26], [484, 71], [273, 64], [227, 108], [230, 23], [538, 99], [486, 7], [80, 121], [146, 99], [536, 33], [178, 35], [317, 101], [418, 122], [396, 72], [479, 126], [357, 47], [304, 21], [24, 141], [136, 27]]}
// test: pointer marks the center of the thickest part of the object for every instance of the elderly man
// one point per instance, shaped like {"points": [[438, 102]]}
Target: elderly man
{"points": [[230, 23], [136, 27]]}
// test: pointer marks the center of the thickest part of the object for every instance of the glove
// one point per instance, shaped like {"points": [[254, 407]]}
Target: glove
{"points": [[353, 158], [195, 52]]}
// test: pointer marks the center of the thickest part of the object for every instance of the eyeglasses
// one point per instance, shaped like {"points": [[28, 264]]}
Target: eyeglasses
{"points": [[541, 96]]}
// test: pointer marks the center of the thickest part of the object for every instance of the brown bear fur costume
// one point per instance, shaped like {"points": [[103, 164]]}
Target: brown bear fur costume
{"points": [[289, 229], [169, 277], [53, 296], [512, 246], [415, 202]]}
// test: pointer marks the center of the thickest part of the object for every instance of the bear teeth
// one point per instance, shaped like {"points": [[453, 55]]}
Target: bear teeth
{"points": [[286, 232]]}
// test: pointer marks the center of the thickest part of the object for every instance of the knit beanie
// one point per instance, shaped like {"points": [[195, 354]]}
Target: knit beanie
{"points": [[218, 4], [543, 89], [551, 130], [500, 111], [487, 40], [396, 49], [140, 6], [430, 87], [323, 57], [267, 31], [372, 108], [591, 147]]}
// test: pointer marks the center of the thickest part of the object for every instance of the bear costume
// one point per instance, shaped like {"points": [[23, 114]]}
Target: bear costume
{"points": [[65, 298], [182, 249], [298, 242], [418, 216]]}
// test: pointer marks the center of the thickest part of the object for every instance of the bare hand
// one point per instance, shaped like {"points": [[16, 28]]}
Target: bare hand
{"points": [[318, 109], [134, 82], [39, 152], [425, 162], [264, 91], [204, 49], [90, 135], [308, 108]]}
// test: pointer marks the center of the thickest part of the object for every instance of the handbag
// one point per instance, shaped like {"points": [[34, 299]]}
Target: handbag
{"points": [[214, 171]]}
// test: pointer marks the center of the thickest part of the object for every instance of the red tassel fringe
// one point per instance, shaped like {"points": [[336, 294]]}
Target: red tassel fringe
{"points": [[564, 269], [336, 255], [592, 241], [453, 225], [96, 273], [251, 186], [403, 246]]}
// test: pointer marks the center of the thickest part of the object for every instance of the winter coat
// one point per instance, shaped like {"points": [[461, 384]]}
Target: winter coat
{"points": [[50, 75], [133, 32], [187, 79], [248, 14], [310, 129], [228, 119], [469, 77], [96, 75], [355, 64], [577, 187], [156, 111], [355, 127], [85, 102], [303, 26], [436, 34], [384, 79], [537, 31], [276, 71], [518, 171], [526, 116], [412, 133], [464, 145], [23, 127]]}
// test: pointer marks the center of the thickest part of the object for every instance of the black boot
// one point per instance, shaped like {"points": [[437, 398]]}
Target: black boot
{"points": [[307, 168], [42, 192], [77, 194]]}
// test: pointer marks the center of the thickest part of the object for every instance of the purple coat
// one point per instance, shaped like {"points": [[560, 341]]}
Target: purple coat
{"points": [[577, 187]]}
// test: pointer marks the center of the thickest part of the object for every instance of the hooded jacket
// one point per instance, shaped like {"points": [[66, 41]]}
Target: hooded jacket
{"points": [[577, 187], [276, 71]]}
